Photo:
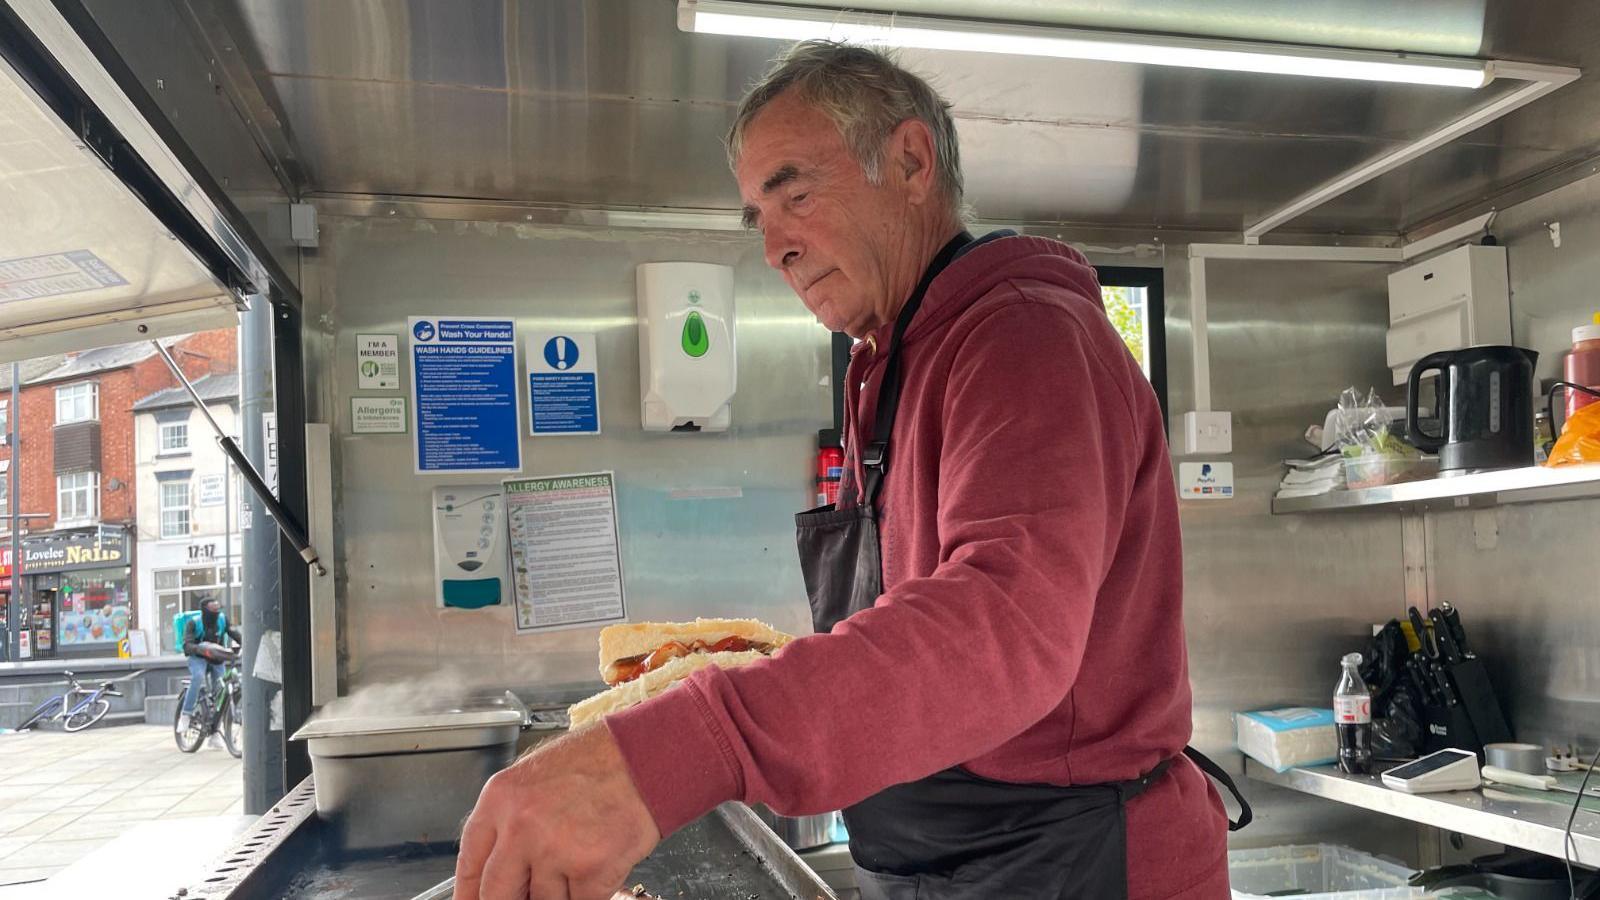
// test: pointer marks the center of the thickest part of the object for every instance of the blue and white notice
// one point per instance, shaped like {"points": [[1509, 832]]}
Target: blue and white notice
{"points": [[563, 383], [464, 391]]}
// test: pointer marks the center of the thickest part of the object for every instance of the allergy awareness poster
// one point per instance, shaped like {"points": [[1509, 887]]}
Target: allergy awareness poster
{"points": [[566, 563]]}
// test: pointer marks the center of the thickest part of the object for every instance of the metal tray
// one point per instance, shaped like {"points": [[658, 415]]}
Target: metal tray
{"points": [[290, 855], [479, 722]]}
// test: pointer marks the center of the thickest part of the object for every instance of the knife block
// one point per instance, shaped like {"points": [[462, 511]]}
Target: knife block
{"points": [[1448, 727], [1478, 700]]}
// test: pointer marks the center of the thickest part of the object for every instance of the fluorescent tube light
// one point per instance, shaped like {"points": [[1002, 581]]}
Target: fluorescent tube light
{"points": [[794, 23]]}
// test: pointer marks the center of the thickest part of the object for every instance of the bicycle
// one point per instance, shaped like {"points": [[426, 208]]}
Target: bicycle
{"points": [[74, 715], [216, 711]]}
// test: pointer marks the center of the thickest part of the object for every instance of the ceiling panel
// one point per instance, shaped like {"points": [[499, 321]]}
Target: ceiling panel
{"points": [[596, 102]]}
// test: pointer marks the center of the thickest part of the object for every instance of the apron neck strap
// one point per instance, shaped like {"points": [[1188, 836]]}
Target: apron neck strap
{"points": [[875, 451]]}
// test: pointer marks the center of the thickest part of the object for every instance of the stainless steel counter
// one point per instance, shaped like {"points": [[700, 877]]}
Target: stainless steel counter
{"points": [[291, 854], [1527, 819]]}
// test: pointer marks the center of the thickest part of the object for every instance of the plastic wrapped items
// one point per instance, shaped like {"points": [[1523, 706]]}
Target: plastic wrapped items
{"points": [[1373, 454], [1580, 439], [1285, 738]]}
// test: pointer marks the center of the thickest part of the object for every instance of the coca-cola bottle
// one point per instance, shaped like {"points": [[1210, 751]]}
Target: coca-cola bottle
{"points": [[1352, 718]]}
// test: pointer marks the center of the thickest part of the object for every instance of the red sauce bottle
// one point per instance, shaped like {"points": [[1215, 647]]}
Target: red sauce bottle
{"points": [[1583, 365]]}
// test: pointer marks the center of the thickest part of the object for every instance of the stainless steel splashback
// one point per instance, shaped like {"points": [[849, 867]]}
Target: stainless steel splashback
{"points": [[1271, 603], [705, 519], [1524, 576]]}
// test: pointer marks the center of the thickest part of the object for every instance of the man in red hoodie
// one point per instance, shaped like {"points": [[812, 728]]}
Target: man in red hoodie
{"points": [[998, 694]]}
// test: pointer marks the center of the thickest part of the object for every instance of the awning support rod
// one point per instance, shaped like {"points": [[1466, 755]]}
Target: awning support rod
{"points": [[293, 530]]}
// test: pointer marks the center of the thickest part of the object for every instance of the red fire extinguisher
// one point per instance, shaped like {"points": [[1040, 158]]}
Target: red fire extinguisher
{"points": [[830, 466]]}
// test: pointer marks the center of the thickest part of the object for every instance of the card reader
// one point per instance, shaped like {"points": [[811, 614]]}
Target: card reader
{"points": [[1446, 770]]}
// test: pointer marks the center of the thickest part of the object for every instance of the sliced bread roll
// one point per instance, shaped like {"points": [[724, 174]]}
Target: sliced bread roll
{"points": [[650, 684], [628, 641]]}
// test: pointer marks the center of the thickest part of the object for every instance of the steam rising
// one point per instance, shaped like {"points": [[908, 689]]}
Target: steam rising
{"points": [[438, 691]]}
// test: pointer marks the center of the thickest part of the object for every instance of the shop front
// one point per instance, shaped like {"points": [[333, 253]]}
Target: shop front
{"points": [[77, 592], [174, 577]]}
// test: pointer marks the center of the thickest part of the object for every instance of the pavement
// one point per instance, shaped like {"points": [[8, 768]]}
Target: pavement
{"points": [[64, 796]]}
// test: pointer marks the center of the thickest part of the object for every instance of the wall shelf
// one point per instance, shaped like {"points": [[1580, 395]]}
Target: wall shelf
{"points": [[1527, 485], [1527, 819]]}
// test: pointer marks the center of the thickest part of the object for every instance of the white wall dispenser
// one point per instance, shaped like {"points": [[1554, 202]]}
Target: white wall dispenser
{"points": [[469, 546], [687, 355]]}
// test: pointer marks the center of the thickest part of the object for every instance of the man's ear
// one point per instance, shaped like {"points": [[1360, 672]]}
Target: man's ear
{"points": [[913, 158]]}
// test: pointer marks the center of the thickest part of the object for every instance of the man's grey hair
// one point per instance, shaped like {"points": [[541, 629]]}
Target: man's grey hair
{"points": [[867, 95]]}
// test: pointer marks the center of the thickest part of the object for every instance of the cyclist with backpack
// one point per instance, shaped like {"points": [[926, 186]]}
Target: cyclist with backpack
{"points": [[203, 636]]}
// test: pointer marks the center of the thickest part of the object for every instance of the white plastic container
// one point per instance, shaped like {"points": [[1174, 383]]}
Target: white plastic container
{"points": [[687, 355], [1378, 469], [1321, 872]]}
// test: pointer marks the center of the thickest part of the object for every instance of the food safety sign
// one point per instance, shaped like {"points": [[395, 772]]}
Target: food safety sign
{"points": [[464, 391], [563, 383]]}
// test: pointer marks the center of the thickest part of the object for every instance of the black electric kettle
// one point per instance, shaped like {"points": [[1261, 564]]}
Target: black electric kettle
{"points": [[1485, 403]]}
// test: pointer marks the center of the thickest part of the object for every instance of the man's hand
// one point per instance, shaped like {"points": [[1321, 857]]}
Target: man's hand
{"points": [[563, 823]]}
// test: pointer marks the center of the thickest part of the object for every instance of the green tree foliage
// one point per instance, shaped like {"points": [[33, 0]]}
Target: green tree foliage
{"points": [[1125, 318]]}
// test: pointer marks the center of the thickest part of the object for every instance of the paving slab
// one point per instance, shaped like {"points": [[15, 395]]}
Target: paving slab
{"points": [[66, 798]]}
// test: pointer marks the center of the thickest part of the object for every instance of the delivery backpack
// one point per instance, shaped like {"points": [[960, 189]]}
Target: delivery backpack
{"points": [[180, 626]]}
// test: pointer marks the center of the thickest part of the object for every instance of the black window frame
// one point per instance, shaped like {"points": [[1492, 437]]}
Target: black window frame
{"points": [[1155, 309]]}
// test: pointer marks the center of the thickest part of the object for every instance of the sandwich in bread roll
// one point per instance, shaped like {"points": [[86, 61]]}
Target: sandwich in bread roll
{"points": [[643, 659]]}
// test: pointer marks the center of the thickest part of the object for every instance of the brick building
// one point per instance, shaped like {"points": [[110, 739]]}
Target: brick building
{"points": [[26, 370], [76, 497]]}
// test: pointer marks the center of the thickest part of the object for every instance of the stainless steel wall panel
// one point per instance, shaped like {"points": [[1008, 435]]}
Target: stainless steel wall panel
{"points": [[1526, 586], [1271, 603], [706, 520]]}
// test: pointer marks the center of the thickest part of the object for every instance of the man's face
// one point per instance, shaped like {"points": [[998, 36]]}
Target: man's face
{"points": [[211, 606], [840, 242]]}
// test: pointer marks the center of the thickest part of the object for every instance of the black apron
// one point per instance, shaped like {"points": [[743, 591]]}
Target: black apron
{"points": [[955, 835]]}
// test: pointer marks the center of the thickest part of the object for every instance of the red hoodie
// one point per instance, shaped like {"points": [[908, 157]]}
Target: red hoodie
{"points": [[1031, 626]]}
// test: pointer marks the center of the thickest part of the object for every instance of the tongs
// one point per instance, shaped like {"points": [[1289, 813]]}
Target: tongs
{"points": [[444, 889]]}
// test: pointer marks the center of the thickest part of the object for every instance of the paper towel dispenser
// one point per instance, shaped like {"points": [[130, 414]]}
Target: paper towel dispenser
{"points": [[687, 356]]}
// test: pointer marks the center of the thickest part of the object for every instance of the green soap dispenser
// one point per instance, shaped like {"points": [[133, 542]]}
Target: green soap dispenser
{"points": [[696, 339]]}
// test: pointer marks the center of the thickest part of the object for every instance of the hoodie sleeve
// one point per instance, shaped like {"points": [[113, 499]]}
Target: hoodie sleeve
{"points": [[1037, 461]]}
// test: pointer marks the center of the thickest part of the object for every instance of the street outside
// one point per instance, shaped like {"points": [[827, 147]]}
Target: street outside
{"points": [[63, 796]]}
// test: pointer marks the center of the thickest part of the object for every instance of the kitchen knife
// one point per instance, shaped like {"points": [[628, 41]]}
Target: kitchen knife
{"points": [[1445, 637], [1446, 689], [1430, 691], [1429, 648], [1452, 618]]}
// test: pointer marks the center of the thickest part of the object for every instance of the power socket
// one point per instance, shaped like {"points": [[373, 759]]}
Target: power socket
{"points": [[1207, 432]]}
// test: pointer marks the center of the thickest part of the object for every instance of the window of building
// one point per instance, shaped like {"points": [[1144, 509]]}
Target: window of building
{"points": [[5, 421], [174, 437], [77, 403], [77, 497], [175, 509], [5, 494], [181, 590], [1133, 300]]}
